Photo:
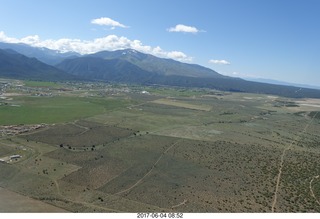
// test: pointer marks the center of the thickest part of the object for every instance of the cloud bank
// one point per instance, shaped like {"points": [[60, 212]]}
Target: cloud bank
{"points": [[109, 42], [219, 62], [183, 28], [105, 21]]}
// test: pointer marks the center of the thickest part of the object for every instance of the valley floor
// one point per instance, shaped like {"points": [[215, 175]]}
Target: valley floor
{"points": [[117, 148]]}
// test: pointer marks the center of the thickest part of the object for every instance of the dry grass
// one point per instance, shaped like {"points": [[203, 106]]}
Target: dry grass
{"points": [[14, 202], [172, 102]]}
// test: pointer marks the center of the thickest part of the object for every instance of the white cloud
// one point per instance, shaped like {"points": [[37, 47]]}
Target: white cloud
{"points": [[30, 40], [179, 56], [105, 21], [219, 62], [4, 38], [183, 28], [110, 43]]}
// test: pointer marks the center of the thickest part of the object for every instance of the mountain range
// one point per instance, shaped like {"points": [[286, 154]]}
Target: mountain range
{"points": [[157, 65], [48, 56], [18, 66], [21, 61]]}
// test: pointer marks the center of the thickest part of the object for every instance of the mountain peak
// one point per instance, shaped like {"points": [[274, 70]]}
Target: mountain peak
{"points": [[130, 52]]}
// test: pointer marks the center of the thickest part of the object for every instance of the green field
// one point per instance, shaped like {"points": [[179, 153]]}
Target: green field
{"points": [[35, 110], [112, 148]]}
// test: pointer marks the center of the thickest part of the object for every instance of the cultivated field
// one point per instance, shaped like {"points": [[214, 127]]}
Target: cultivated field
{"points": [[112, 148]]}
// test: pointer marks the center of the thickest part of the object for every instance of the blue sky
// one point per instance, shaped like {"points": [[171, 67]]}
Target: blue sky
{"points": [[275, 39]]}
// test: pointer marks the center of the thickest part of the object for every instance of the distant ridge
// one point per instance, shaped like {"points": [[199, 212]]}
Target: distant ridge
{"points": [[270, 81]]}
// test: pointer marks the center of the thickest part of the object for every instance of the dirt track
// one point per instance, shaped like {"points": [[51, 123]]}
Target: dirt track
{"points": [[298, 136], [154, 165], [311, 190]]}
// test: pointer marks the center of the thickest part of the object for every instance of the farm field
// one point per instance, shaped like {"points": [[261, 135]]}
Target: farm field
{"points": [[117, 148], [13, 202]]}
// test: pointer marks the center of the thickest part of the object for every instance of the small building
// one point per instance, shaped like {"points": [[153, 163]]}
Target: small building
{"points": [[15, 156], [145, 92]]}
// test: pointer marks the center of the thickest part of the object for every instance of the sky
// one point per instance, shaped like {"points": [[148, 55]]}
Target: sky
{"points": [[272, 39]]}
